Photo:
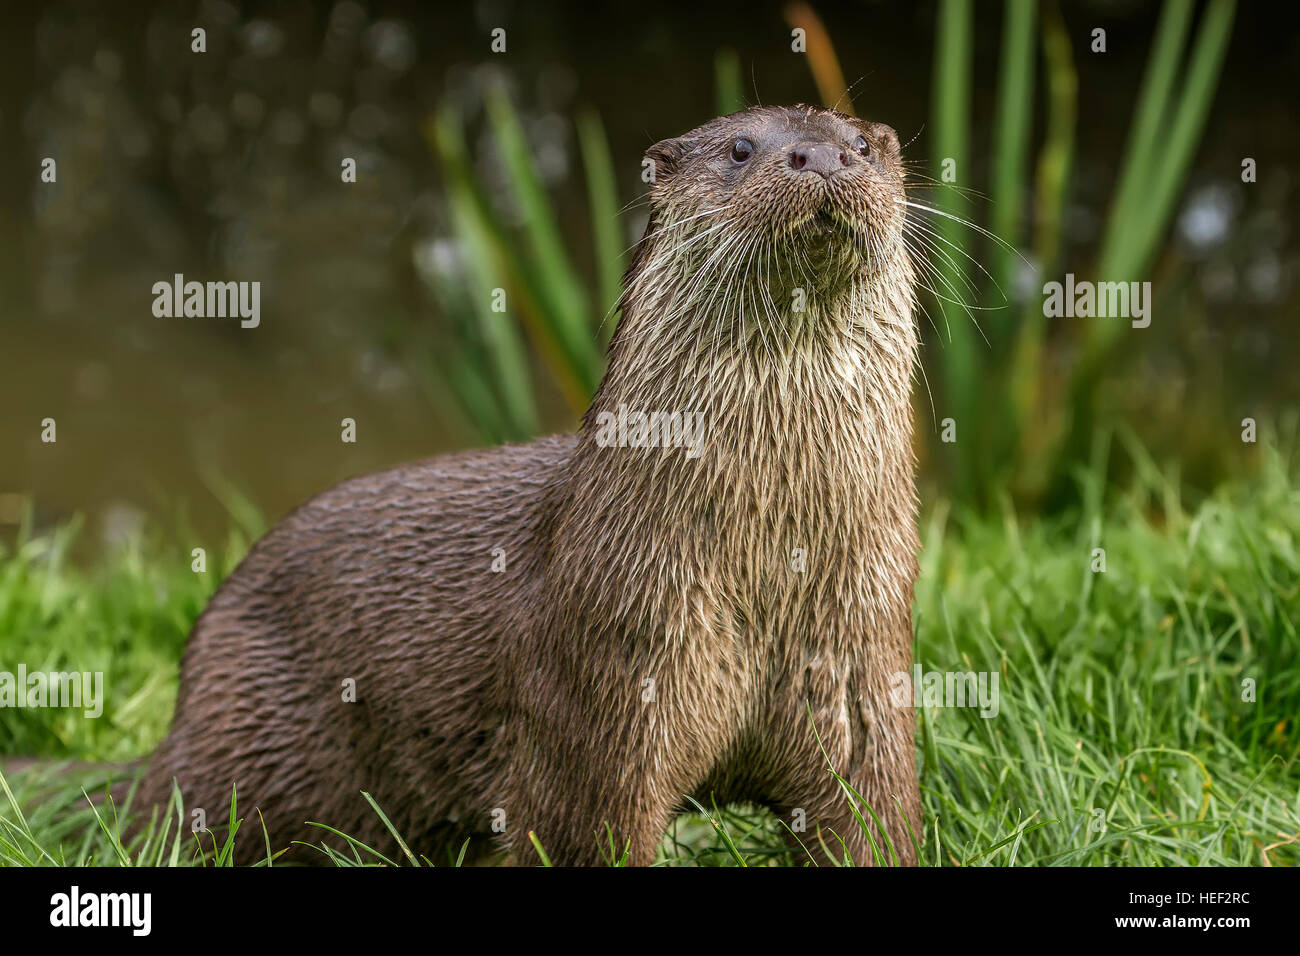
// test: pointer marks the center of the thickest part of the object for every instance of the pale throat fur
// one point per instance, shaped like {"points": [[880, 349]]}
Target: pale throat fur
{"points": [[796, 524]]}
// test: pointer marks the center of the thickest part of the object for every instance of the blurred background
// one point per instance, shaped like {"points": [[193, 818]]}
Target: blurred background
{"points": [[521, 170]]}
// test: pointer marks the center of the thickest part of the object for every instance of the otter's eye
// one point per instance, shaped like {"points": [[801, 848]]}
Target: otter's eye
{"points": [[741, 150], [861, 146]]}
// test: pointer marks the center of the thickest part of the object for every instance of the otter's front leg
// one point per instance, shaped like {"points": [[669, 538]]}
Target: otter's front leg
{"points": [[869, 742], [586, 823], [601, 769]]}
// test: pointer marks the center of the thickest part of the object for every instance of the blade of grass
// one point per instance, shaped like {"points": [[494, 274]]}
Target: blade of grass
{"points": [[388, 825], [352, 842], [1144, 132], [526, 300], [602, 197], [722, 832], [1011, 141], [1026, 368], [537, 845], [728, 83], [1168, 164], [822, 61], [565, 310], [505, 349], [950, 106]]}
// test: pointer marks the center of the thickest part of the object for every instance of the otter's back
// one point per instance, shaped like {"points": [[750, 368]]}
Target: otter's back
{"points": [[363, 631]]}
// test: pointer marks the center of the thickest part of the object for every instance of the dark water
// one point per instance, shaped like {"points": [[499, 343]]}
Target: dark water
{"points": [[226, 165]]}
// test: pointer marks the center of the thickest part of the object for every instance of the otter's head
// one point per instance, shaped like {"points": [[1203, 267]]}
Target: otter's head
{"points": [[796, 191]]}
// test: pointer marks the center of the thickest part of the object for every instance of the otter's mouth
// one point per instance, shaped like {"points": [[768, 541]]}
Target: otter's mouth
{"points": [[826, 240], [822, 225], [825, 228]]}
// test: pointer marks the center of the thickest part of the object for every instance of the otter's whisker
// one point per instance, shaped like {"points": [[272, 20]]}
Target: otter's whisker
{"points": [[921, 248], [940, 298], [935, 235], [966, 222], [931, 272]]}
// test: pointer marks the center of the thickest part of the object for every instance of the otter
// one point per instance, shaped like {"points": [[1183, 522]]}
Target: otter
{"points": [[572, 637]]}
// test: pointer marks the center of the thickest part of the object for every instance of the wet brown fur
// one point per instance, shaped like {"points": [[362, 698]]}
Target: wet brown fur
{"points": [[652, 635]]}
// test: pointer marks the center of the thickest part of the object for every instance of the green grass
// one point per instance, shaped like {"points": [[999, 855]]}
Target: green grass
{"points": [[1121, 692]]}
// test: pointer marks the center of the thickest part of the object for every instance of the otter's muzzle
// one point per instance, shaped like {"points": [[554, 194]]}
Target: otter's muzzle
{"points": [[824, 158]]}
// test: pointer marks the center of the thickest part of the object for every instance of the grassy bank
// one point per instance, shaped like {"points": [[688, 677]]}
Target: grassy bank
{"points": [[1146, 714]]}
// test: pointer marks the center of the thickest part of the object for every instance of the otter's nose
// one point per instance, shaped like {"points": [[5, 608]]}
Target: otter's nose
{"points": [[823, 158]]}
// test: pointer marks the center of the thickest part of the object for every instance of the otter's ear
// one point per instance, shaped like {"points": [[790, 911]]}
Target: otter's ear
{"points": [[663, 159], [885, 136]]}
